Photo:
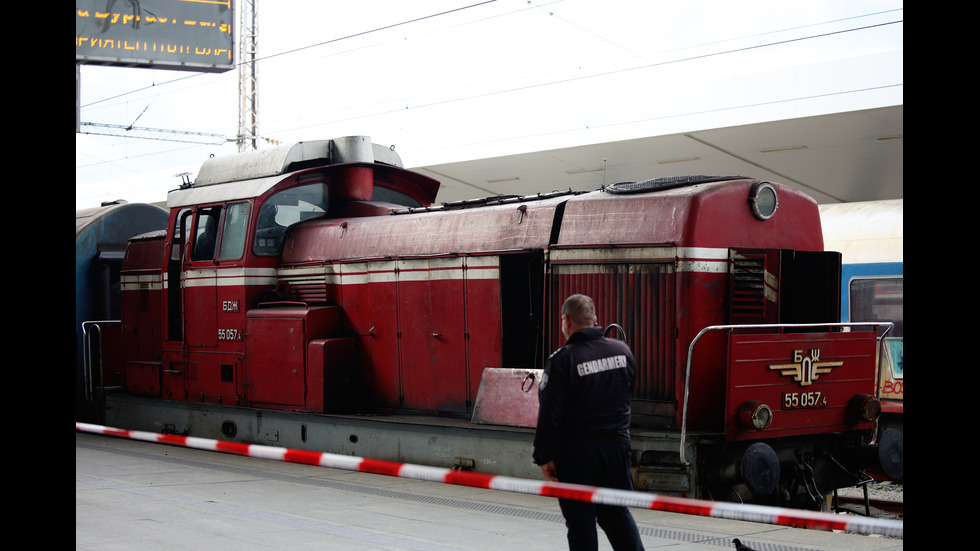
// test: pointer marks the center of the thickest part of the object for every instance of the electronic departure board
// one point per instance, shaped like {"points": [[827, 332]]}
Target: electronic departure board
{"points": [[191, 35]]}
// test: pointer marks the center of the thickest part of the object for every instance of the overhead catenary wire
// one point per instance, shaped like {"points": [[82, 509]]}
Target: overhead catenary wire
{"points": [[295, 50], [492, 88], [196, 137], [502, 91], [568, 80]]}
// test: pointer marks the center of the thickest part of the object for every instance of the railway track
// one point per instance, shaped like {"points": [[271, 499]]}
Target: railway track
{"points": [[883, 507]]}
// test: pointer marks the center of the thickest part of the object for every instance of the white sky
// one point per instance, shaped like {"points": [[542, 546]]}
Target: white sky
{"points": [[451, 80]]}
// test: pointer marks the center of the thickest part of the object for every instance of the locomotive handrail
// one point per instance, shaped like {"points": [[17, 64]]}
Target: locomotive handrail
{"points": [[619, 329], [690, 353], [87, 355]]}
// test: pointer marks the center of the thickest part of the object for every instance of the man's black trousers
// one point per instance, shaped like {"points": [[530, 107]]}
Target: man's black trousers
{"points": [[604, 464]]}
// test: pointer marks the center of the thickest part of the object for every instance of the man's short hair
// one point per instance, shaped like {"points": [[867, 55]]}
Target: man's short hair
{"points": [[580, 310]]}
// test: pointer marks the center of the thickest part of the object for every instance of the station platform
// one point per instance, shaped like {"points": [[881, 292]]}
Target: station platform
{"points": [[131, 494]]}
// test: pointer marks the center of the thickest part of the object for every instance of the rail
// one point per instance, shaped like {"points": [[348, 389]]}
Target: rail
{"points": [[690, 353], [87, 354]]}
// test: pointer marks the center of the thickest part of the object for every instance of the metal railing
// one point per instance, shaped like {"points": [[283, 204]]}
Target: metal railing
{"points": [[90, 328]]}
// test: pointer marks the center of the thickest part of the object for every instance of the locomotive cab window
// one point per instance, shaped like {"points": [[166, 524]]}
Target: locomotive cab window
{"points": [[284, 209], [233, 231], [228, 243], [179, 235], [205, 233]]}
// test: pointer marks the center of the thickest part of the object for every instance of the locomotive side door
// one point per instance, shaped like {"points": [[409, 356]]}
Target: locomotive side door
{"points": [[212, 298], [432, 347], [200, 280]]}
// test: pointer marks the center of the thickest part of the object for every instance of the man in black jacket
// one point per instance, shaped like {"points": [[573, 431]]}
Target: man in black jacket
{"points": [[583, 433]]}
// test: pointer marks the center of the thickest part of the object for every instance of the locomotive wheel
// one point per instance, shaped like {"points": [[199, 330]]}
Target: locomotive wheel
{"points": [[890, 453], [760, 469]]}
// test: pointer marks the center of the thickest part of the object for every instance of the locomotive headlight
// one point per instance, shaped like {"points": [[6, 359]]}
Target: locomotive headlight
{"points": [[755, 415], [864, 407], [763, 200]]}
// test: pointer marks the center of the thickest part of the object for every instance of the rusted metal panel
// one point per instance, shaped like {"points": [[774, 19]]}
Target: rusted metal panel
{"points": [[474, 231], [635, 295], [508, 397], [368, 295], [432, 344], [278, 373], [703, 215], [276, 365], [414, 319], [484, 330], [333, 384]]}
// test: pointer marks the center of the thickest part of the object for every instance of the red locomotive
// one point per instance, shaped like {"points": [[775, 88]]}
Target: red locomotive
{"points": [[312, 296]]}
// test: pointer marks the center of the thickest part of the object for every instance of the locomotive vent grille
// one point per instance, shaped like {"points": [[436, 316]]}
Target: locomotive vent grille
{"points": [[304, 288], [753, 287], [308, 293]]}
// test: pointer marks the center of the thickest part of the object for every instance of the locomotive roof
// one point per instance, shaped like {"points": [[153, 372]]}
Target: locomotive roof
{"points": [[283, 159], [252, 173]]}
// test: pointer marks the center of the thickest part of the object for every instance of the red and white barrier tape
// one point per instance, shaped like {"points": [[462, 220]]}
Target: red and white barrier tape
{"points": [[734, 511]]}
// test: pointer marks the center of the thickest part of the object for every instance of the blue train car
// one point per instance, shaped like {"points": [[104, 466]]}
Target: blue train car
{"points": [[869, 236], [101, 236]]}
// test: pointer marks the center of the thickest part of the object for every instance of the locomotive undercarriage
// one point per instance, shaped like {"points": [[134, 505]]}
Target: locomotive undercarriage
{"points": [[796, 476], [798, 472]]}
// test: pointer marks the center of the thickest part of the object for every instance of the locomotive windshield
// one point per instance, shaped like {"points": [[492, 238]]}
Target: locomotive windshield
{"points": [[386, 195], [285, 209]]}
